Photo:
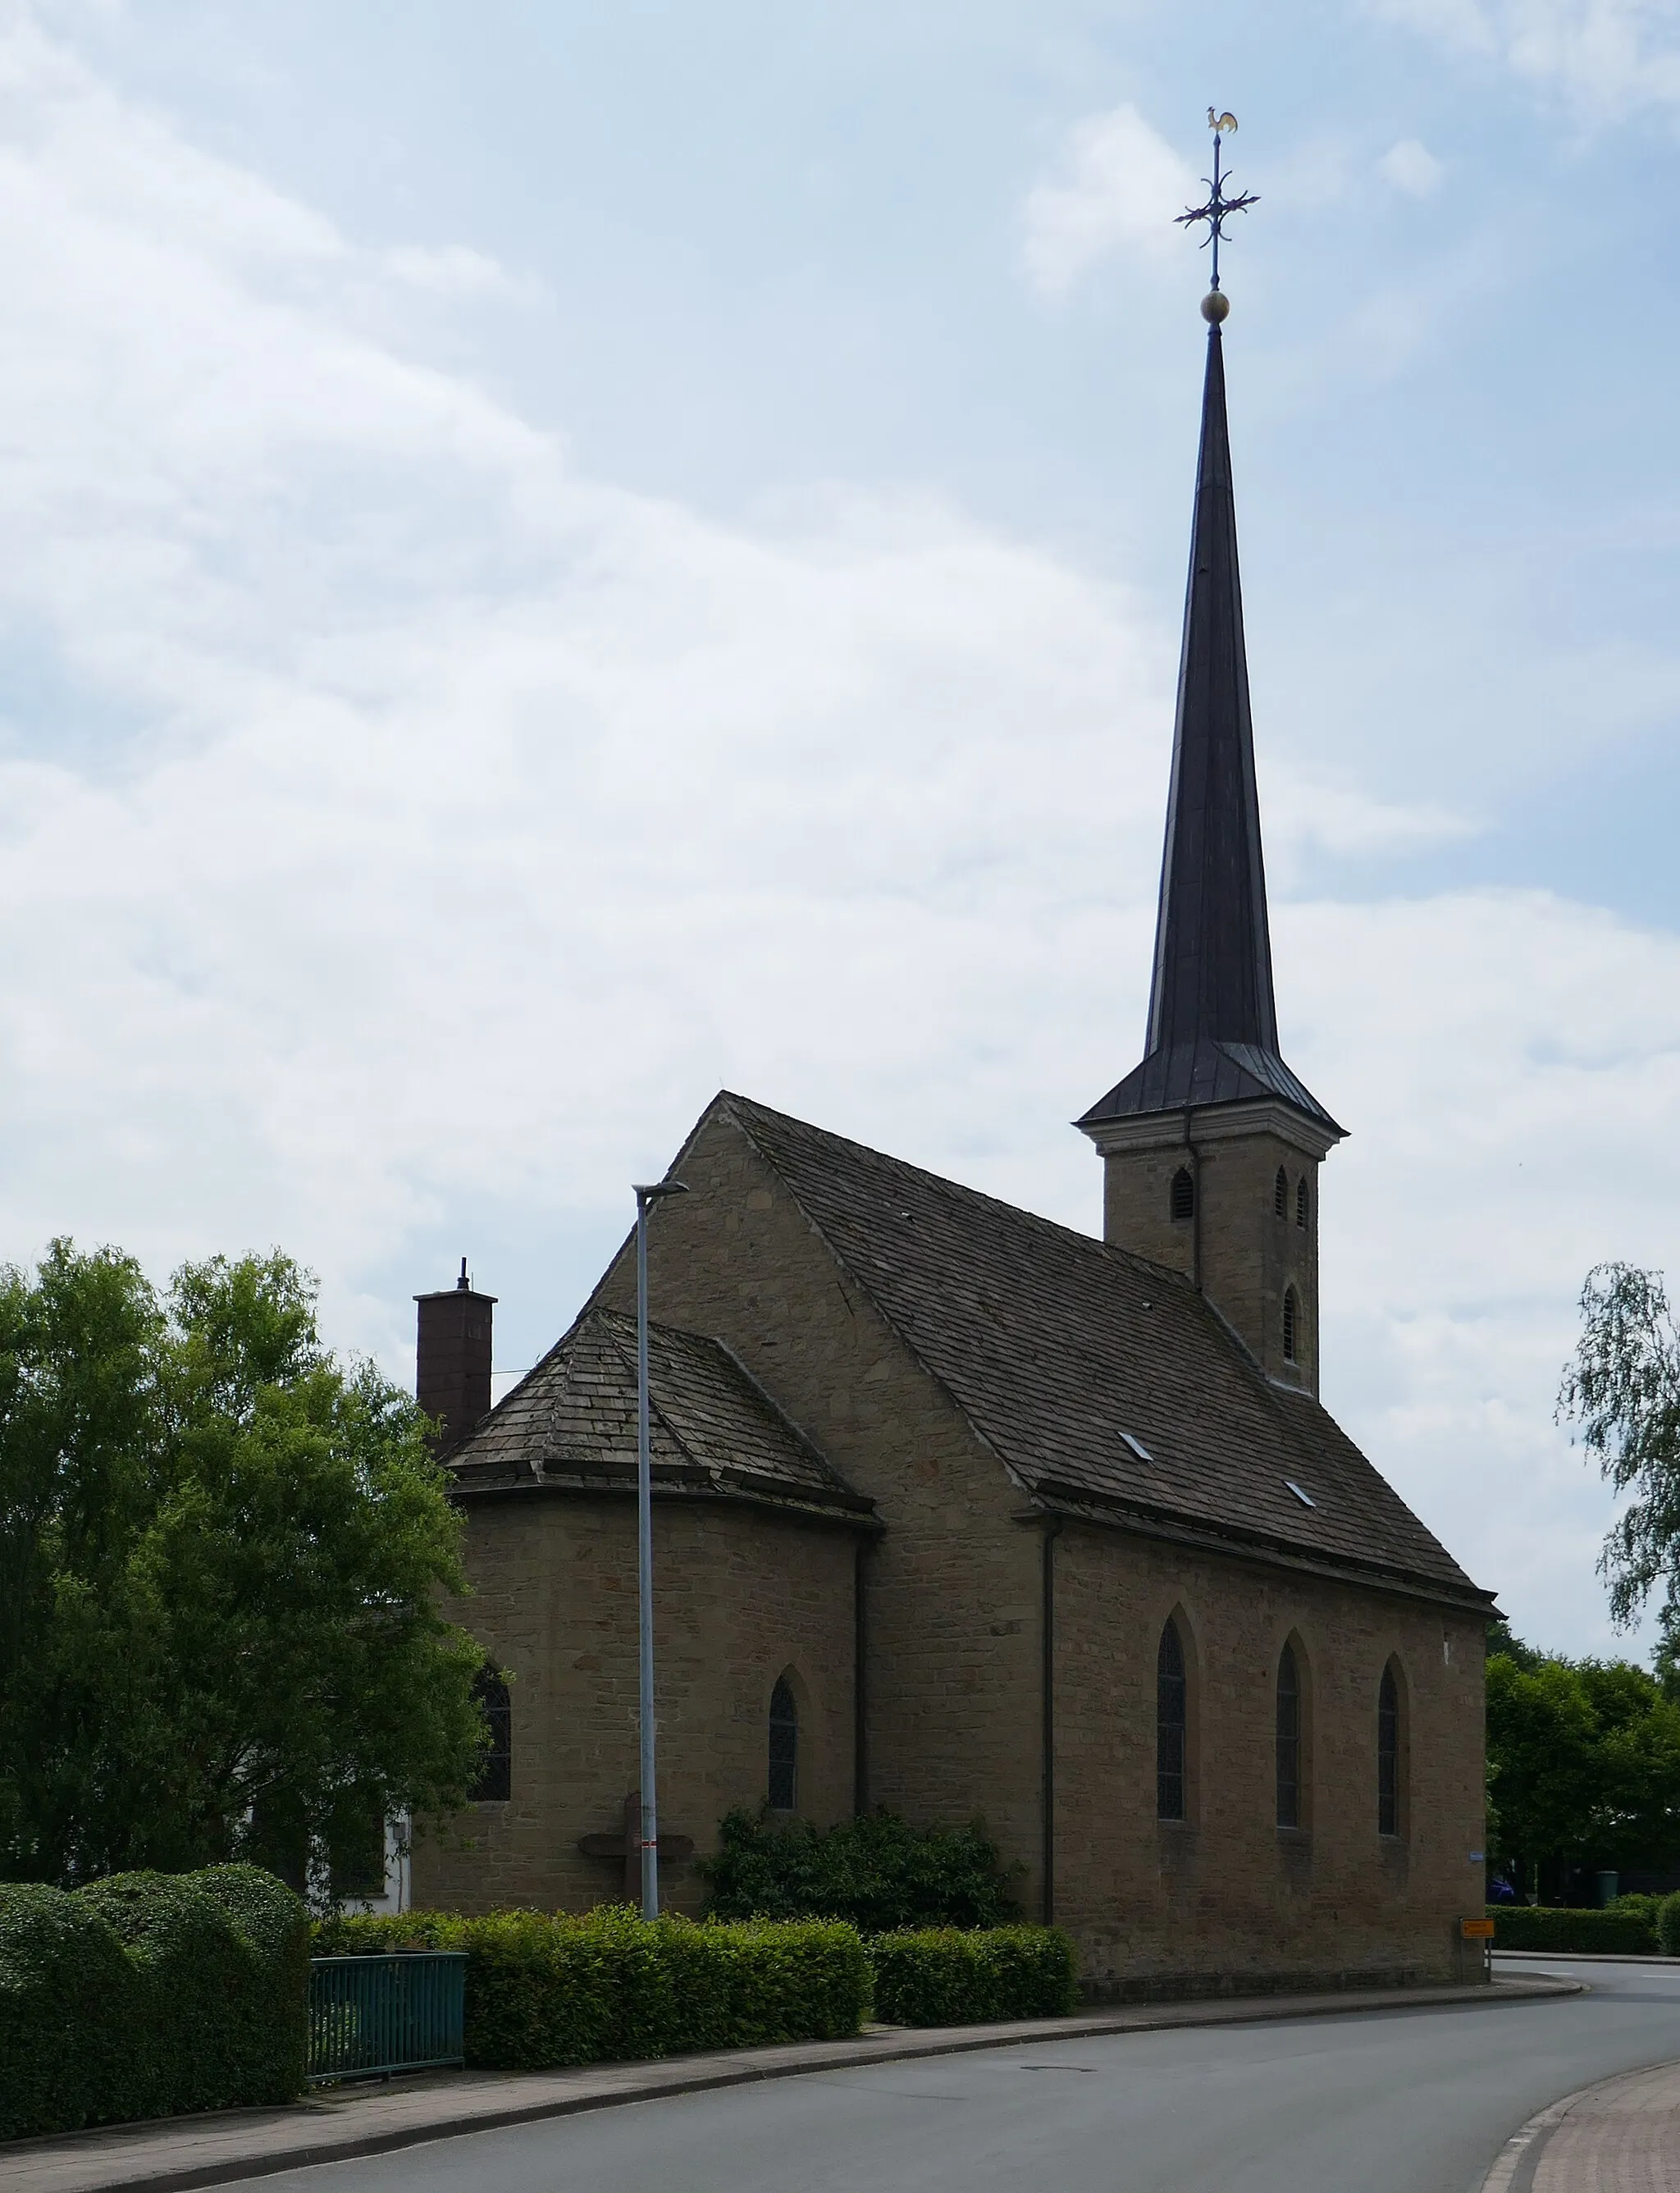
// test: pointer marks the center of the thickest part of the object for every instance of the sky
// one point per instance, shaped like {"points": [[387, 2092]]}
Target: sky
{"points": [[555, 560]]}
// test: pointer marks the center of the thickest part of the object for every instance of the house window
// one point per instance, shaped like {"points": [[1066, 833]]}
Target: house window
{"points": [[494, 1784], [784, 1747], [1280, 1195], [1169, 1725], [1300, 1201], [1388, 1755], [1288, 1740], [1291, 1322], [1183, 1203]]}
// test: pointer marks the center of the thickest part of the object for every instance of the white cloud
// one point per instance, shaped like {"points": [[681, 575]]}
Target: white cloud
{"points": [[396, 823], [1608, 57], [451, 271], [1116, 186], [1510, 1065], [1412, 167]]}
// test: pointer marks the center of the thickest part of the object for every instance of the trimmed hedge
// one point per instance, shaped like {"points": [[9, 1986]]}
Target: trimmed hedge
{"points": [[610, 1987], [65, 1987], [875, 1870], [943, 1977], [1536, 1926], [1668, 1925], [149, 1994]]}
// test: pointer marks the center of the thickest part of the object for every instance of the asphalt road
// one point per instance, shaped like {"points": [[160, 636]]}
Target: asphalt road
{"points": [[1408, 2101]]}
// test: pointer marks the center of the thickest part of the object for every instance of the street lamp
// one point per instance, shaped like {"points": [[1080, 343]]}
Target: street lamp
{"points": [[644, 1549]]}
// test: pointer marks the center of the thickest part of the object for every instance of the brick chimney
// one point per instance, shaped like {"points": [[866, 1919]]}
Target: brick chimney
{"points": [[452, 1357]]}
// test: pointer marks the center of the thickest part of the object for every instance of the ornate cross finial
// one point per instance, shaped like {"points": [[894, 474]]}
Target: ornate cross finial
{"points": [[1214, 211]]}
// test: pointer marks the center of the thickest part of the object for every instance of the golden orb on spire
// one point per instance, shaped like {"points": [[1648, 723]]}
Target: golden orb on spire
{"points": [[1214, 307]]}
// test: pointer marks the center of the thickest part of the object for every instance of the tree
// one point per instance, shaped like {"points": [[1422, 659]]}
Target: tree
{"points": [[221, 1553], [1584, 1759], [1623, 1388]]}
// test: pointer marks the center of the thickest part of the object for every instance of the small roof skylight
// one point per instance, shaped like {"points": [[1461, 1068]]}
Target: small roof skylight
{"points": [[1305, 1499], [1138, 1447]]}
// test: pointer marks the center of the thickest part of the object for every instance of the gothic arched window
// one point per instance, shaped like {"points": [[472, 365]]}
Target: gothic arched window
{"points": [[1183, 1203], [784, 1791], [1300, 1201], [1280, 1195], [494, 1784], [1288, 1740], [1171, 1700], [1291, 1324], [1388, 1754]]}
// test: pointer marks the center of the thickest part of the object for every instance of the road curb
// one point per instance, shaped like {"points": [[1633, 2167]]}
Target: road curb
{"points": [[1514, 2166], [154, 2160], [1588, 1956]]}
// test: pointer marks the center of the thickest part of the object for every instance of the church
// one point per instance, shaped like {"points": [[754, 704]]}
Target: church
{"points": [[963, 1513]]}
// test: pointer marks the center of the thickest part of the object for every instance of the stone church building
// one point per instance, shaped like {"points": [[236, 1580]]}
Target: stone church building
{"points": [[960, 1512]]}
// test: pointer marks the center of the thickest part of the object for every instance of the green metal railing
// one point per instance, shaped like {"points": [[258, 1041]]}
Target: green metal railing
{"points": [[370, 2016]]}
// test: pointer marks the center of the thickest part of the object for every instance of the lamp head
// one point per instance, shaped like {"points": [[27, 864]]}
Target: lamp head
{"points": [[656, 1191]]}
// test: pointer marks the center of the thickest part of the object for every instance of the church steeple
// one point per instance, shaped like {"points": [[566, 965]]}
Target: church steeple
{"points": [[1211, 1144], [1213, 950], [1212, 1035]]}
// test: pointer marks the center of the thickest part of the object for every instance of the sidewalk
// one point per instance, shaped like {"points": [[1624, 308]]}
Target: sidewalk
{"points": [[1621, 2136], [179, 2152]]}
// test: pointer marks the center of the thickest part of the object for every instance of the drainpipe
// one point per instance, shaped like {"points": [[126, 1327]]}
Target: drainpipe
{"points": [[1051, 1533]]}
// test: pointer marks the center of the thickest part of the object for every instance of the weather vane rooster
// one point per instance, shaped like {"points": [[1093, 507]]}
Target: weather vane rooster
{"points": [[1214, 306]]}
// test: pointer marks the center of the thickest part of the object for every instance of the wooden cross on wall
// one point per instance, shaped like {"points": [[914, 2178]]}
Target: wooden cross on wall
{"points": [[627, 1846]]}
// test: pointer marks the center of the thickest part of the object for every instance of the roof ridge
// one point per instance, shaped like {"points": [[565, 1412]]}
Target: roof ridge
{"points": [[1108, 1251]]}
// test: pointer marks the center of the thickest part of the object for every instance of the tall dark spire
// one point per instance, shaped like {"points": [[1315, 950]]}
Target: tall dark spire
{"points": [[1213, 1023]]}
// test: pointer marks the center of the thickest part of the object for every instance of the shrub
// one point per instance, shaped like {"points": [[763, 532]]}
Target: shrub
{"points": [[610, 1986], [272, 2020], [67, 2007], [875, 1870], [943, 1977], [195, 1971], [1668, 1924], [791, 1980], [1642, 1906], [148, 1994], [1606, 1932]]}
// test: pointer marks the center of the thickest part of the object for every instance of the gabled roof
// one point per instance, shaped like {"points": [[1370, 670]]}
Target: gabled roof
{"points": [[1213, 1021], [1103, 1384], [713, 1430]]}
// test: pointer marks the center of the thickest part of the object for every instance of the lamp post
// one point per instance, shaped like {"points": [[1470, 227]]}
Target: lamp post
{"points": [[644, 1549]]}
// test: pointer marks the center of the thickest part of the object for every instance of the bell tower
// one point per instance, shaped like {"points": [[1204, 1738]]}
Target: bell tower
{"points": [[1211, 1147]]}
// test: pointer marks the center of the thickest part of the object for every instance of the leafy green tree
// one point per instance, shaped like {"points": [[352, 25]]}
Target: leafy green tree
{"points": [[1584, 1761], [1623, 1388], [221, 1555]]}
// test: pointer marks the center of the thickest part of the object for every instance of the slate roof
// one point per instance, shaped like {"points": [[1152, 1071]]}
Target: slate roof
{"points": [[1213, 1020], [714, 1431], [1106, 1384]]}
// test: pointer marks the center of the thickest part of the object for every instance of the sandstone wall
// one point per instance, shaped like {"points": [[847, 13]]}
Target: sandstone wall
{"points": [[951, 1595], [1227, 1894], [742, 1595]]}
